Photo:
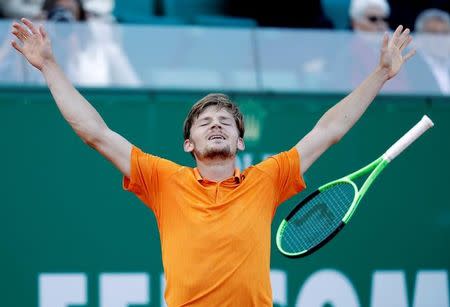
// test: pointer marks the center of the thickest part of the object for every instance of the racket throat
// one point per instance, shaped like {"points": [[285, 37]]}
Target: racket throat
{"points": [[378, 169], [366, 169], [377, 166]]}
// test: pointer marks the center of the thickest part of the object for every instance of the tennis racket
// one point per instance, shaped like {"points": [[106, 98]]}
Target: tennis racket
{"points": [[321, 215]]}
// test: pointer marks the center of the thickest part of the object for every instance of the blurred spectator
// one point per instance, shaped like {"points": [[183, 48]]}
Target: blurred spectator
{"points": [[355, 59], [64, 10], [405, 12], [433, 45], [21, 8], [433, 21], [99, 10], [281, 13], [369, 15], [91, 53]]}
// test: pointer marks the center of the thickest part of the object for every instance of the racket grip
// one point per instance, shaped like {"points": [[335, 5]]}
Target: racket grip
{"points": [[423, 125]]}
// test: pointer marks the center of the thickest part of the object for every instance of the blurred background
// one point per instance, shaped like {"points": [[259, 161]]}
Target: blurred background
{"points": [[69, 235]]}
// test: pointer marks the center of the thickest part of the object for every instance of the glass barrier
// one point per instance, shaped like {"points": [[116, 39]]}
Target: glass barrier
{"points": [[186, 57], [335, 61]]}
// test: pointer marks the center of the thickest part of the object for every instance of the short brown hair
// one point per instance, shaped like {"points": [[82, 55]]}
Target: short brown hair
{"points": [[221, 101]]}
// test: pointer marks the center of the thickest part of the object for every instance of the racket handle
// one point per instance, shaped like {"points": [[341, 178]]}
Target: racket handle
{"points": [[423, 125]]}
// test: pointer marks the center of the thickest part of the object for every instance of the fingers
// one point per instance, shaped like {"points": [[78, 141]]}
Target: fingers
{"points": [[404, 39], [25, 32], [396, 36], [30, 25], [406, 43], [43, 32], [409, 55], [401, 38], [19, 36], [385, 40], [20, 32], [16, 46]]}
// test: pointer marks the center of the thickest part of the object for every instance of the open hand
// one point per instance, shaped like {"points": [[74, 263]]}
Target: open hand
{"points": [[391, 57], [35, 45]]}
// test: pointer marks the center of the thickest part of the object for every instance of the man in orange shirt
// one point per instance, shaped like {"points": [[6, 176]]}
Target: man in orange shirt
{"points": [[214, 221]]}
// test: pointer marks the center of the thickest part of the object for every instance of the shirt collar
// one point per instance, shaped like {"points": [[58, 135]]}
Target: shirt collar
{"points": [[237, 175]]}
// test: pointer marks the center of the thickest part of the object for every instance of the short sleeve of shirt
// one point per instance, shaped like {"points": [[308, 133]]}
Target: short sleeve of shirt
{"points": [[148, 172], [284, 169]]}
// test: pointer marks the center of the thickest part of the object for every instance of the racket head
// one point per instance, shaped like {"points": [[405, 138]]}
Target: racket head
{"points": [[317, 219]]}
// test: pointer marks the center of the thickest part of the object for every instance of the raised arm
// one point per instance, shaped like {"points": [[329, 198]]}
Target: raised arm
{"points": [[83, 118], [338, 120]]}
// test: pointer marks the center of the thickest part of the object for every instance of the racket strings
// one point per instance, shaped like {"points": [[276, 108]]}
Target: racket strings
{"points": [[318, 218]]}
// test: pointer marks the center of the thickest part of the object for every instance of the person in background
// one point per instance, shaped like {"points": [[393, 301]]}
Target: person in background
{"points": [[405, 12], [433, 45], [20, 8], [57, 10], [63, 10], [433, 21], [369, 15], [355, 57], [76, 10], [87, 46]]}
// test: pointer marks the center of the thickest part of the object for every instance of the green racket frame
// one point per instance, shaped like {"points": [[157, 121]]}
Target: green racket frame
{"points": [[374, 168]]}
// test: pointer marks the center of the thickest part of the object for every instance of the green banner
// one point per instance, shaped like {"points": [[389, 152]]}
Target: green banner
{"points": [[70, 236]]}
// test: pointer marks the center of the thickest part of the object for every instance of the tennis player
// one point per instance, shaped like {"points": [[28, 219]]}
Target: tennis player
{"points": [[214, 221]]}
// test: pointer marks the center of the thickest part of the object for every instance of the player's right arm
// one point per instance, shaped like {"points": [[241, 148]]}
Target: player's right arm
{"points": [[78, 112]]}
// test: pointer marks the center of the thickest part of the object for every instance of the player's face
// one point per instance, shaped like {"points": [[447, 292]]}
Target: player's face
{"points": [[214, 135]]}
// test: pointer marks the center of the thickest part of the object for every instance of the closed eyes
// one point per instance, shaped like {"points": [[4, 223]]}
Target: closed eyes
{"points": [[223, 122]]}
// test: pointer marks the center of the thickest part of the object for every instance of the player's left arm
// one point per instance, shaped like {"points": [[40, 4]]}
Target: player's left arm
{"points": [[338, 120]]}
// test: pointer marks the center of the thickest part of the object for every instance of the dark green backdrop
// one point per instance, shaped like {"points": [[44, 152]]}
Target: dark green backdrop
{"points": [[63, 209]]}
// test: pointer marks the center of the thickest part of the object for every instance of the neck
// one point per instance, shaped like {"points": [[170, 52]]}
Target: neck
{"points": [[216, 170]]}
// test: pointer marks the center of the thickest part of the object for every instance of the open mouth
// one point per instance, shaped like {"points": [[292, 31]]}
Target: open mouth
{"points": [[216, 137]]}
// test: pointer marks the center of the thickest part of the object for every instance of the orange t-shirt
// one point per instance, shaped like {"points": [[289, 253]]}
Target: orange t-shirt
{"points": [[215, 236]]}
